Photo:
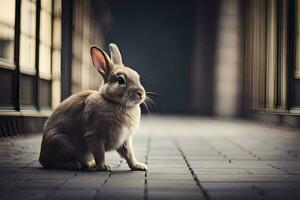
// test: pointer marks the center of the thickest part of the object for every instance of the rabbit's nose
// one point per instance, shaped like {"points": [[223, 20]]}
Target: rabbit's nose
{"points": [[139, 94]]}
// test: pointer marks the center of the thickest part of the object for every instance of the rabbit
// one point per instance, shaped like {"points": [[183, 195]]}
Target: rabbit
{"points": [[87, 124]]}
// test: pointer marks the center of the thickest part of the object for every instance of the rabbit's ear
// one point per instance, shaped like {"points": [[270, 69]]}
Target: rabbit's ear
{"points": [[101, 61], [115, 54]]}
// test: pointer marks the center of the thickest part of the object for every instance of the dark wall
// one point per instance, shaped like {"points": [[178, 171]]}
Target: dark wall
{"points": [[155, 38]]}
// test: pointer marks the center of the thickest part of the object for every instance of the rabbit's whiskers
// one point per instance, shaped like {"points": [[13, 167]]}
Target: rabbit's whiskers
{"points": [[149, 103], [153, 93]]}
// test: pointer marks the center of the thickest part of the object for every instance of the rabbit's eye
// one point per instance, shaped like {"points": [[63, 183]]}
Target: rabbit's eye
{"points": [[121, 80]]}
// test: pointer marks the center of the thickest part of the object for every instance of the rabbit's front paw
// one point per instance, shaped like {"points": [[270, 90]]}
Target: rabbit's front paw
{"points": [[103, 167], [139, 166]]}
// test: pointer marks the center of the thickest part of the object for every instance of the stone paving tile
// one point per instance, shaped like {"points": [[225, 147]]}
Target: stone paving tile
{"points": [[160, 194], [249, 178], [73, 194], [282, 193], [188, 158], [121, 193], [227, 185], [292, 167], [231, 171], [24, 194], [170, 170], [31, 184], [267, 171], [184, 185], [232, 194], [123, 184], [87, 180], [39, 175], [169, 176]]}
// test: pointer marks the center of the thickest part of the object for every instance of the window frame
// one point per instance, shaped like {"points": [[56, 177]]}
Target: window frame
{"points": [[296, 71], [279, 76], [14, 66]]}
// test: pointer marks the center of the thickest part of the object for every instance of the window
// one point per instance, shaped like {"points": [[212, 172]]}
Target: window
{"points": [[40, 63], [7, 42], [30, 52], [56, 54], [272, 55], [266, 53], [7, 25], [27, 37], [45, 45], [28, 90], [30, 64], [85, 34], [45, 40]]}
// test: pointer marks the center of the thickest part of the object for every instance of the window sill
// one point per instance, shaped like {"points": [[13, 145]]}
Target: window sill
{"points": [[25, 113], [7, 65]]}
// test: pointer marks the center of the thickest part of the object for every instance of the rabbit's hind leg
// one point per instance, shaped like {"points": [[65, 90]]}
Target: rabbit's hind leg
{"points": [[87, 161], [58, 152], [89, 165]]}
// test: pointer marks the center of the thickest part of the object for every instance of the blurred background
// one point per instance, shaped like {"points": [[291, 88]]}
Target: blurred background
{"points": [[217, 58]]}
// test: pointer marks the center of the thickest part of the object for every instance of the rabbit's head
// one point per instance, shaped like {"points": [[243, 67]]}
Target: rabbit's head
{"points": [[121, 84]]}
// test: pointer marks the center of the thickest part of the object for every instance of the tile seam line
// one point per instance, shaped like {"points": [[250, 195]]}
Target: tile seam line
{"points": [[48, 195], [195, 177], [284, 170], [146, 172], [215, 149], [98, 190], [242, 148]]}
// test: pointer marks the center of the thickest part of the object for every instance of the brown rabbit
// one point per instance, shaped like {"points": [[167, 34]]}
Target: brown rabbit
{"points": [[89, 123]]}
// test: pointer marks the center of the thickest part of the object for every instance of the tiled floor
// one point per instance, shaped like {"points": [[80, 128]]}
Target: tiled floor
{"points": [[188, 158]]}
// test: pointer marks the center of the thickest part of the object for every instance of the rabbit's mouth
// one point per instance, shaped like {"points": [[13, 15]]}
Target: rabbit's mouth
{"points": [[136, 99], [128, 101]]}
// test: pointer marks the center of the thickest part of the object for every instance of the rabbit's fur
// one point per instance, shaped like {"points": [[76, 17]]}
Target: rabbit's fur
{"points": [[89, 123]]}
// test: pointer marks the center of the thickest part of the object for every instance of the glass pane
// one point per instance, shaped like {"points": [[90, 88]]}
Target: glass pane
{"points": [[28, 18], [47, 5], [7, 14], [85, 76], [6, 87], [57, 33], [56, 64], [45, 93], [45, 27], [45, 61], [55, 93], [86, 57], [56, 55], [77, 45], [7, 23], [77, 17], [86, 18], [57, 7], [27, 90], [27, 54], [6, 42], [76, 76], [27, 38]]}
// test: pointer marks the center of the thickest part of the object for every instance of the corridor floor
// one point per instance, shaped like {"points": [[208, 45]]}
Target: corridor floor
{"points": [[187, 157]]}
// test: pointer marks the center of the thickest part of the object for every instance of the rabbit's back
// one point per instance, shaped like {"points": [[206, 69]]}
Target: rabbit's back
{"points": [[68, 116]]}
